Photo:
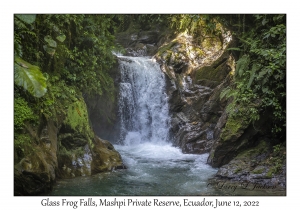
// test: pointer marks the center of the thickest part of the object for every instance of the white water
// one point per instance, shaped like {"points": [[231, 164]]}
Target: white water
{"points": [[144, 142], [143, 103]]}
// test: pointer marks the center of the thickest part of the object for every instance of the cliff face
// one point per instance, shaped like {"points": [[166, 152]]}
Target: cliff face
{"points": [[196, 76], [62, 148]]}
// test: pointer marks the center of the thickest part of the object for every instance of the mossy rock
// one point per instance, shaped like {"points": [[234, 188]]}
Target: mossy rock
{"points": [[205, 72], [77, 121], [77, 116], [262, 147], [105, 157], [234, 128], [73, 163], [166, 47], [216, 75], [258, 170]]}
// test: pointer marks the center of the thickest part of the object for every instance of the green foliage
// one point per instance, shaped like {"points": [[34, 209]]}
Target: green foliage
{"points": [[205, 28], [242, 65], [22, 141], [261, 70], [80, 46], [27, 18], [75, 55], [29, 77], [61, 38], [22, 113], [277, 159], [147, 21]]}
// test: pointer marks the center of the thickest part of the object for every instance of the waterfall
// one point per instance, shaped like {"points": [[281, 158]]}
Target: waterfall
{"points": [[143, 102], [154, 166]]}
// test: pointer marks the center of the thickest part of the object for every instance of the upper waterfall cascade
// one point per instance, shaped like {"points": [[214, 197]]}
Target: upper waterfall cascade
{"points": [[143, 102]]}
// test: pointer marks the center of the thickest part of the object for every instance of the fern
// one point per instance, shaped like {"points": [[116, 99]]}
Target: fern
{"points": [[225, 92], [255, 67], [242, 65]]}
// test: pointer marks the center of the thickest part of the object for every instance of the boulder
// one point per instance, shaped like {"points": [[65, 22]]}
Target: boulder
{"points": [[255, 165], [105, 157], [35, 173]]}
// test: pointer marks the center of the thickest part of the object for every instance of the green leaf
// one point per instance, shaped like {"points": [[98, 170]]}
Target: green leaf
{"points": [[262, 73], [225, 93], [27, 18], [61, 38], [264, 22], [29, 77], [255, 67], [50, 41], [242, 65], [49, 50]]}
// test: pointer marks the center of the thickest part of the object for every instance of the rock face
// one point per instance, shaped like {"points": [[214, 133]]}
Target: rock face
{"points": [[139, 43], [35, 173], [256, 165], [196, 77], [64, 149], [199, 120]]}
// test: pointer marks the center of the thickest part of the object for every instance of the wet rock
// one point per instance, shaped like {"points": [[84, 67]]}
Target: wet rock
{"points": [[254, 166], [34, 174], [62, 149], [139, 43], [105, 157], [195, 77]]}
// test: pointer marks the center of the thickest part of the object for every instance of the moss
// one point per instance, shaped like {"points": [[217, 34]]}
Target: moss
{"points": [[165, 48], [232, 128], [259, 149], [258, 171], [73, 154], [269, 174], [77, 119], [207, 72], [22, 113], [23, 145], [237, 170]]}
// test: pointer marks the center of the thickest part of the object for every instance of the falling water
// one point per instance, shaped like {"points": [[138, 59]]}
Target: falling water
{"points": [[143, 105]]}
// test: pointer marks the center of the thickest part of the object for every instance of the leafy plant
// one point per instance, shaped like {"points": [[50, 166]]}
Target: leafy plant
{"points": [[260, 74], [29, 77], [28, 18], [22, 113]]}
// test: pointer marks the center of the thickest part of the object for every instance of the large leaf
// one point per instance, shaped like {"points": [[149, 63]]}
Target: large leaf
{"points": [[49, 50], [27, 18], [50, 41], [61, 38], [29, 77]]}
